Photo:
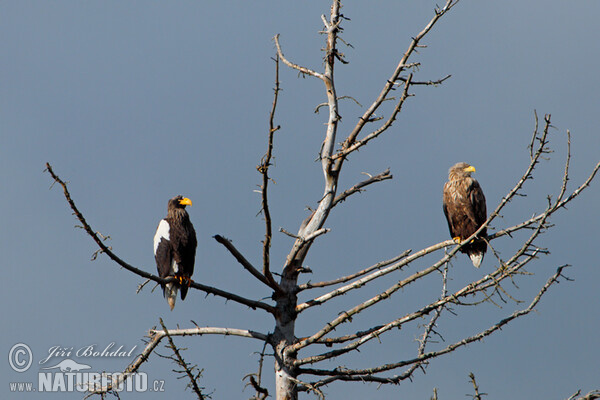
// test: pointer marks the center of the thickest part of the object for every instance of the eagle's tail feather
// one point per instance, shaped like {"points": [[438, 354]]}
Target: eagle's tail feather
{"points": [[170, 292], [476, 258]]}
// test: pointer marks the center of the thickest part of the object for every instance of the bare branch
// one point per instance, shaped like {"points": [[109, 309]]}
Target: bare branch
{"points": [[245, 263], [358, 187], [263, 168], [474, 287], [365, 271], [563, 188], [367, 374], [318, 107], [389, 85], [261, 392], [429, 328], [207, 330], [255, 379], [593, 395], [361, 282], [477, 396], [355, 145], [178, 358], [286, 377], [478, 286], [317, 220], [156, 335], [557, 205], [341, 339], [292, 65], [208, 289], [302, 240], [426, 83], [534, 136], [578, 191]]}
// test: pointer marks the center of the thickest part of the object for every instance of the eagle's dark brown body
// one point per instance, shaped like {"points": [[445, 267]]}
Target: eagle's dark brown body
{"points": [[175, 248], [465, 210]]}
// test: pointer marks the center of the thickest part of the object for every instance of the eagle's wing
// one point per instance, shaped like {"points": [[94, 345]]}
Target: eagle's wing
{"points": [[477, 200], [188, 252], [162, 249], [446, 199]]}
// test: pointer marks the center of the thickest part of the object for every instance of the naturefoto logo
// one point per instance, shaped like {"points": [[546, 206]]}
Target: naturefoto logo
{"points": [[69, 369]]}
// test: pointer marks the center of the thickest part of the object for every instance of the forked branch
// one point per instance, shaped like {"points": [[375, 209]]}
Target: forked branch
{"points": [[392, 81], [156, 336], [359, 186], [244, 262], [187, 368], [367, 375], [263, 168], [104, 249]]}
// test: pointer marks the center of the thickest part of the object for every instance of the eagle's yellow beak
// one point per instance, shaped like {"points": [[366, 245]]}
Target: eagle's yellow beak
{"points": [[470, 168], [185, 202]]}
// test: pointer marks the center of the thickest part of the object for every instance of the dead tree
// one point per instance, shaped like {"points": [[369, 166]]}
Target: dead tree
{"points": [[300, 362]]}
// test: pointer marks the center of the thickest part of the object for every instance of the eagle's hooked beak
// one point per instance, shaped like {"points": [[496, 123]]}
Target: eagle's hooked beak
{"points": [[185, 202], [470, 168]]}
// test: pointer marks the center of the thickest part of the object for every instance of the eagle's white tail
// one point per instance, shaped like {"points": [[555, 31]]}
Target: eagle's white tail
{"points": [[476, 258], [171, 294]]}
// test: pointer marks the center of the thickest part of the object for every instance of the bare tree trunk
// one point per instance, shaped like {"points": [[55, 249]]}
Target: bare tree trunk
{"points": [[285, 355], [286, 386]]}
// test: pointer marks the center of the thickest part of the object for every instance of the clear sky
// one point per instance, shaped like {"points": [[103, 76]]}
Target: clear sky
{"points": [[134, 102]]}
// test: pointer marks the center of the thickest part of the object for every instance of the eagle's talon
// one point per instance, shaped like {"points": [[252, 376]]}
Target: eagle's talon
{"points": [[457, 239], [183, 280]]}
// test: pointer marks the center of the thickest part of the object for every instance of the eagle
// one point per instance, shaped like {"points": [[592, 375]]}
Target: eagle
{"points": [[175, 248], [464, 207]]}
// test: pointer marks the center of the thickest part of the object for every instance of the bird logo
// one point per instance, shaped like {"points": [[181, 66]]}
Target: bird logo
{"points": [[68, 365]]}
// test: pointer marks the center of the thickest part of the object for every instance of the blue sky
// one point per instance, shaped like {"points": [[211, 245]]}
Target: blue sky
{"points": [[135, 102]]}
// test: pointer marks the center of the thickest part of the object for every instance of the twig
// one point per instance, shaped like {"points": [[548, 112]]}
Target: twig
{"points": [[432, 323], [245, 263], [593, 395], [342, 339], [477, 396], [263, 168], [382, 272], [183, 364], [426, 83], [297, 67], [365, 271], [389, 85], [357, 144], [358, 187], [533, 137]]}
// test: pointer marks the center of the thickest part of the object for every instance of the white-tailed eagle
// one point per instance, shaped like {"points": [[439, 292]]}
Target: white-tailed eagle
{"points": [[464, 207]]}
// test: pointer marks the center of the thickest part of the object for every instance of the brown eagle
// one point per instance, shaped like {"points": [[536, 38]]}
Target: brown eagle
{"points": [[175, 248], [464, 207]]}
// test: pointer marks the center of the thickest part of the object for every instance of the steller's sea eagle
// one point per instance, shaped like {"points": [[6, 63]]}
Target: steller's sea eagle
{"points": [[464, 207], [175, 248]]}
